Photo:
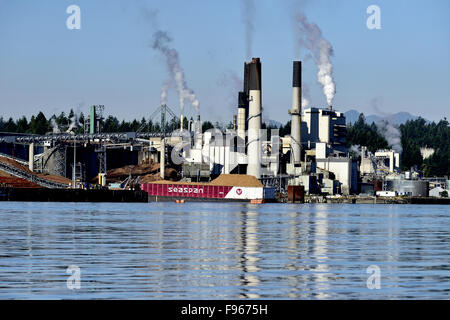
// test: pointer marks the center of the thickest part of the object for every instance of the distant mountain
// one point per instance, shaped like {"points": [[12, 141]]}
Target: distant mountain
{"points": [[352, 116]]}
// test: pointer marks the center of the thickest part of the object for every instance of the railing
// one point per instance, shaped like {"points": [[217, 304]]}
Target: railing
{"points": [[31, 177], [115, 137]]}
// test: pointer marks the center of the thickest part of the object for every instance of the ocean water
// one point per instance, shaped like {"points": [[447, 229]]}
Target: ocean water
{"points": [[223, 251]]}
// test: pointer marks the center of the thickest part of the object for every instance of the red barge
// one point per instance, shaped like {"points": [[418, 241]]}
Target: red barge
{"points": [[227, 187]]}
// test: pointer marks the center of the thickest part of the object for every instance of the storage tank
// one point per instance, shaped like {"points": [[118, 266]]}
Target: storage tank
{"points": [[415, 188]]}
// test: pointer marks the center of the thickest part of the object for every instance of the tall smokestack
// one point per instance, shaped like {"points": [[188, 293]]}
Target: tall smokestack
{"points": [[247, 77], [181, 122], [295, 113], [242, 118], [234, 122], [254, 119], [198, 133], [246, 91]]}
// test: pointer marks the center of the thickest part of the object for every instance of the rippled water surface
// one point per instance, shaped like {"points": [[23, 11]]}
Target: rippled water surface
{"points": [[223, 251]]}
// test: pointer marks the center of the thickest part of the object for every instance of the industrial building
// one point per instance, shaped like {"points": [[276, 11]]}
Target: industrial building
{"points": [[313, 156]]}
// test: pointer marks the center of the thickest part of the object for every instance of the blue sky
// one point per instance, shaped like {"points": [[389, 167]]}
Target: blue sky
{"points": [[44, 66]]}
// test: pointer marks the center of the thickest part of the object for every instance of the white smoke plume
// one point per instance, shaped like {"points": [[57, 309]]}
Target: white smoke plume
{"points": [[391, 133], [74, 119], [164, 89], [311, 37], [161, 42], [305, 95], [54, 125], [386, 126], [234, 84], [356, 149], [248, 9], [73, 123]]}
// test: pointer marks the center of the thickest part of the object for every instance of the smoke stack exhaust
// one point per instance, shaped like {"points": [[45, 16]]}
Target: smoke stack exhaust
{"points": [[295, 113], [181, 122], [254, 119]]}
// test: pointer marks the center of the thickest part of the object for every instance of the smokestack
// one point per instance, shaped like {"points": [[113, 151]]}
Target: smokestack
{"points": [[246, 77], [234, 122], [245, 97], [242, 119], [198, 133], [254, 119], [181, 122], [295, 113]]}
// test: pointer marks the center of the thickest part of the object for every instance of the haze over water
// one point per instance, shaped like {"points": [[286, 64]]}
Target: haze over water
{"points": [[223, 250]]}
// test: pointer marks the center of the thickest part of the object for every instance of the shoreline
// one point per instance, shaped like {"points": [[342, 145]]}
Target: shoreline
{"points": [[104, 195]]}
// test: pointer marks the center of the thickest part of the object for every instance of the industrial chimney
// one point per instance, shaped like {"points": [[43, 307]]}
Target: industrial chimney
{"points": [[181, 122], [198, 133], [254, 119], [295, 113], [242, 115]]}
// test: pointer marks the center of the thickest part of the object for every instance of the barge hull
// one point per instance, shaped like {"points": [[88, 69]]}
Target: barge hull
{"points": [[205, 192], [185, 199]]}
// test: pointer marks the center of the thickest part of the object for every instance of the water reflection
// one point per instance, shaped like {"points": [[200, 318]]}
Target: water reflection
{"points": [[195, 251], [248, 246], [320, 233]]}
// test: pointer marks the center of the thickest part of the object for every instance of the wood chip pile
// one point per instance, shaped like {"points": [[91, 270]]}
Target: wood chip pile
{"points": [[232, 180], [21, 167], [146, 172]]}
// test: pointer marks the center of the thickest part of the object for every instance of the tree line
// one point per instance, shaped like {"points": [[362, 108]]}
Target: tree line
{"points": [[414, 134], [39, 124]]}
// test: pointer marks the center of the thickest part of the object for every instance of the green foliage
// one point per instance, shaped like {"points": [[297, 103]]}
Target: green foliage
{"points": [[360, 133], [414, 135], [111, 124], [418, 133], [206, 125], [22, 125], [39, 125], [286, 129], [9, 126]]}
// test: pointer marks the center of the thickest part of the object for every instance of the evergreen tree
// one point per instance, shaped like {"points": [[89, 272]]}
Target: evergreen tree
{"points": [[10, 126], [81, 120], [111, 124], [39, 125], [22, 125], [206, 125], [360, 133]]}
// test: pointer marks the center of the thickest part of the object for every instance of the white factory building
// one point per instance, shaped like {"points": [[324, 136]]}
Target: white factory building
{"points": [[323, 125], [315, 152], [382, 162]]}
